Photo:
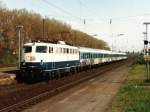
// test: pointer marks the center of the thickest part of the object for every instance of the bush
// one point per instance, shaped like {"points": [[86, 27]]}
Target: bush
{"points": [[7, 57]]}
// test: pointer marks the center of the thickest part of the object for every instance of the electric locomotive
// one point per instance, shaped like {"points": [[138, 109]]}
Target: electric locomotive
{"points": [[40, 59]]}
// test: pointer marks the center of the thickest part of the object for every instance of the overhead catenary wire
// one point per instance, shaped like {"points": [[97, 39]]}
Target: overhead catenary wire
{"points": [[45, 10], [37, 5], [61, 9], [91, 19], [86, 20], [90, 11]]}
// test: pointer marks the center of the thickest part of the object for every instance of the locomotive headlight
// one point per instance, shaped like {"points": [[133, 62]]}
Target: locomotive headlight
{"points": [[41, 62], [32, 58]]}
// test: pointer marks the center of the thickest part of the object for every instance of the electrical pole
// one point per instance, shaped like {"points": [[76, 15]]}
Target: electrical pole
{"points": [[43, 28], [146, 49], [19, 40], [111, 31]]}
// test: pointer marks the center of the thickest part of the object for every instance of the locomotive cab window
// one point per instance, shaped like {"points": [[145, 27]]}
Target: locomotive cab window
{"points": [[27, 49], [41, 49]]}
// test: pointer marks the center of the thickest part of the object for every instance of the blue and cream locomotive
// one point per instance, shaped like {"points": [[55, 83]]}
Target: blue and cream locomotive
{"points": [[51, 60]]}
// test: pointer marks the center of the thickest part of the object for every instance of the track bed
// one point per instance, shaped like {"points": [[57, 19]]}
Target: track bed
{"points": [[26, 95]]}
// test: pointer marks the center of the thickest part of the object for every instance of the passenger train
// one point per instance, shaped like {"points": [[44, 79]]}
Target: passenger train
{"points": [[44, 60]]}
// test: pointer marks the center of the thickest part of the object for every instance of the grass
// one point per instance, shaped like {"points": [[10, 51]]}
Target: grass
{"points": [[134, 95]]}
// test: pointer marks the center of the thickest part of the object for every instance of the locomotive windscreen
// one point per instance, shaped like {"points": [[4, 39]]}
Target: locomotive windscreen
{"points": [[41, 49], [27, 49]]}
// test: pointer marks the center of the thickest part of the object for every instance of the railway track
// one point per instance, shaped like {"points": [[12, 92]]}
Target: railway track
{"points": [[27, 96]]}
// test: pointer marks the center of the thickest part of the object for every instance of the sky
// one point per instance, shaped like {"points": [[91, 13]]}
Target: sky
{"points": [[127, 17]]}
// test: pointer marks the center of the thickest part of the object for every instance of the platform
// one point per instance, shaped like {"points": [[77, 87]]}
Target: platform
{"points": [[7, 78], [6, 69]]}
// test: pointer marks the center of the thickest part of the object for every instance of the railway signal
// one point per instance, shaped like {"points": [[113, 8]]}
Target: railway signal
{"points": [[147, 51]]}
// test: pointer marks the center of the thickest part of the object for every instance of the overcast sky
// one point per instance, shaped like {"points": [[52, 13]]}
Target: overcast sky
{"points": [[127, 17]]}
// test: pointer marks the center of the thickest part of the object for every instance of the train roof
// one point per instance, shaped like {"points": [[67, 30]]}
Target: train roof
{"points": [[49, 44], [119, 53], [81, 49], [84, 49]]}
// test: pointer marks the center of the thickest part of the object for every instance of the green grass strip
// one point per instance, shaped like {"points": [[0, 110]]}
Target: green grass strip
{"points": [[134, 95]]}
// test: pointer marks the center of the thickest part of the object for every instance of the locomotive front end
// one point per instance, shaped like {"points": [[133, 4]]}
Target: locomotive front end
{"points": [[33, 60]]}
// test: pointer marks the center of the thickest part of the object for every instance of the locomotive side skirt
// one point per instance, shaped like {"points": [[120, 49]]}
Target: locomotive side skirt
{"points": [[50, 65]]}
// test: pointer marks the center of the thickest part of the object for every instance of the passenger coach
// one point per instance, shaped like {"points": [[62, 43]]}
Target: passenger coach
{"points": [[89, 57]]}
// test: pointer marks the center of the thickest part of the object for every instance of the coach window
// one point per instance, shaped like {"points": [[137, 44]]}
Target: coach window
{"points": [[64, 50], [86, 55], [101, 55], [67, 51], [83, 56], [50, 49], [91, 55]]}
